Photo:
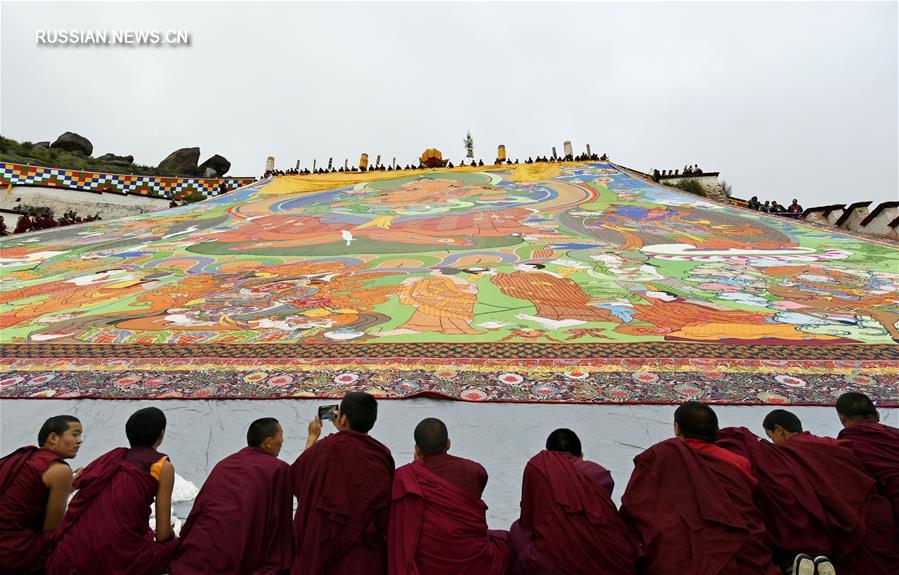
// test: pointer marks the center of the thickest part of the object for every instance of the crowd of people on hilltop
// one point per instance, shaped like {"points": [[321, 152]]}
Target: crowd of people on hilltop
{"points": [[693, 170], [568, 158], [420, 166], [708, 501], [340, 170], [794, 210], [41, 218]]}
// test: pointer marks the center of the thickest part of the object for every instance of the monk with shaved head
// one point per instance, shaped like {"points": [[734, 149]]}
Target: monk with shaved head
{"points": [[438, 522], [875, 444], [241, 519], [342, 485], [691, 502], [34, 485], [795, 520], [569, 524], [106, 528], [859, 520]]}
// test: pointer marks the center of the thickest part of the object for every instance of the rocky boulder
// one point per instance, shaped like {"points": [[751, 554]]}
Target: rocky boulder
{"points": [[183, 161], [72, 142], [217, 163], [113, 159], [44, 144]]}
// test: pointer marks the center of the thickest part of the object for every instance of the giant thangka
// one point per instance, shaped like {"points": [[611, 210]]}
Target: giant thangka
{"points": [[538, 282]]}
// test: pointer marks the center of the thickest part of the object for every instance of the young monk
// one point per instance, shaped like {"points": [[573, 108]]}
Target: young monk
{"points": [[875, 444], [106, 529], [438, 523], [793, 516], [859, 520], [692, 504], [569, 524], [241, 520], [34, 485], [342, 485]]}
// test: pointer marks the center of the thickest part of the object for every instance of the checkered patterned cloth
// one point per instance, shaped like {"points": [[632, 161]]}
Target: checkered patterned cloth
{"points": [[21, 175]]}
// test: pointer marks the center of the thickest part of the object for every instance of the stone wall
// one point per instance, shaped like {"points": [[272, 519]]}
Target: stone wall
{"points": [[881, 221], [709, 182]]}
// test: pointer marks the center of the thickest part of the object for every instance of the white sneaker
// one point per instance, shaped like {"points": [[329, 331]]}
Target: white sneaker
{"points": [[803, 565], [823, 566]]}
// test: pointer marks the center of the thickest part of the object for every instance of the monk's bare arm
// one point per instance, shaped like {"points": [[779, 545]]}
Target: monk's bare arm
{"points": [[315, 431], [59, 479], [164, 530]]}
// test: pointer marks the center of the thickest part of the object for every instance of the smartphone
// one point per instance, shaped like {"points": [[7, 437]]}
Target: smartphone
{"points": [[327, 412]]}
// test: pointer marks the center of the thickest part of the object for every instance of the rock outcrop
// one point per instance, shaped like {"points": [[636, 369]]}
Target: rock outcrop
{"points": [[183, 161], [113, 159], [218, 163], [72, 142]]}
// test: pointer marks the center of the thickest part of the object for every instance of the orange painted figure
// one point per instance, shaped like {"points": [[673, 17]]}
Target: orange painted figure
{"points": [[442, 304], [554, 297]]}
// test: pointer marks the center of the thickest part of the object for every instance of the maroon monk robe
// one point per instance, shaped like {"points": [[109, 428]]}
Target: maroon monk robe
{"points": [[695, 513], [342, 486], [859, 520], [24, 544], [106, 529], [569, 524], [793, 516], [877, 446], [436, 528], [469, 476], [240, 522]]}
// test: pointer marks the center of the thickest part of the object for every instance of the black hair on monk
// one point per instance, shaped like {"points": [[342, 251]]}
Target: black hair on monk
{"points": [[260, 429], [431, 436], [856, 406], [783, 418], [57, 424], [360, 409], [697, 421], [145, 426], [564, 440]]}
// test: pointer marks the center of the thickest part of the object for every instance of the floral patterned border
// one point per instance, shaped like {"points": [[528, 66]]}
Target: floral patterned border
{"points": [[553, 381]]}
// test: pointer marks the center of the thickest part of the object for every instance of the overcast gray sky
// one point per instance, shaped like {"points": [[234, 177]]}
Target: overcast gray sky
{"points": [[784, 99]]}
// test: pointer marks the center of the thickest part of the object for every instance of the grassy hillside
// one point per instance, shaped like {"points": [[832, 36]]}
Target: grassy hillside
{"points": [[28, 153]]}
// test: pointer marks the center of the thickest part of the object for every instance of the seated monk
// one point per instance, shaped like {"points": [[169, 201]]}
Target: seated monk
{"points": [[691, 502], [106, 529], [342, 485], [438, 522], [875, 444], [859, 519], [793, 516], [34, 485], [241, 520], [569, 524]]}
